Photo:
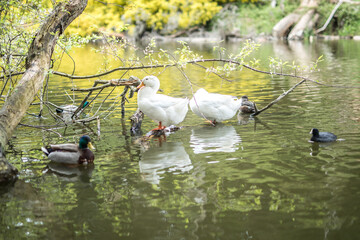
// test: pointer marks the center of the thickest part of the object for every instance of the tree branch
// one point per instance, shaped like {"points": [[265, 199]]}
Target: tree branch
{"points": [[279, 98], [330, 17], [132, 81]]}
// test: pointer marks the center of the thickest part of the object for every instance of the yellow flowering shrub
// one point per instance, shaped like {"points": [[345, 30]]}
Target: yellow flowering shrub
{"points": [[112, 15], [157, 13], [99, 17]]}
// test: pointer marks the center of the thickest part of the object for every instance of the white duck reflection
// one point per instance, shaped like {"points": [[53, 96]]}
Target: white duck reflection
{"points": [[214, 139], [169, 157]]}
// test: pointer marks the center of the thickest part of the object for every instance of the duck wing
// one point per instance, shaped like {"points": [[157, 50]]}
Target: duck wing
{"points": [[165, 109], [214, 106], [164, 101], [69, 147], [65, 157]]}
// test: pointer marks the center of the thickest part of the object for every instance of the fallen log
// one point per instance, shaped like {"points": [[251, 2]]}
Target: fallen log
{"points": [[300, 18], [298, 31]]}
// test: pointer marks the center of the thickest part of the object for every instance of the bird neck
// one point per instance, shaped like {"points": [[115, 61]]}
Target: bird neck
{"points": [[147, 91], [316, 133], [237, 104], [85, 104]]}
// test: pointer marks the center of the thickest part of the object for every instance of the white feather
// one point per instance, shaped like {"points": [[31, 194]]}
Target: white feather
{"points": [[161, 108], [214, 106]]}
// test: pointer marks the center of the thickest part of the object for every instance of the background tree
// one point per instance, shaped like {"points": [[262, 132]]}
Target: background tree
{"points": [[37, 64]]}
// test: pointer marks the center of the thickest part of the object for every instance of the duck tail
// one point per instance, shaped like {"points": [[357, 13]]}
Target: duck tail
{"points": [[182, 108], [46, 151], [238, 104]]}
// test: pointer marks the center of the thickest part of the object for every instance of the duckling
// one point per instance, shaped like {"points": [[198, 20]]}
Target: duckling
{"points": [[322, 136], [246, 105], [71, 153]]}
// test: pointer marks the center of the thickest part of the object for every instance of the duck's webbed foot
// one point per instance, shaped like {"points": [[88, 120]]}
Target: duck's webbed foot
{"points": [[160, 127], [213, 123], [156, 133]]}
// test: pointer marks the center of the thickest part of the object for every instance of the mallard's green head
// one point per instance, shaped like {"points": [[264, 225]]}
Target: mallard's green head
{"points": [[59, 110], [85, 104], [85, 142]]}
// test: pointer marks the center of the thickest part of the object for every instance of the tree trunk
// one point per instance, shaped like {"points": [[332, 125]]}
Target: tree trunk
{"points": [[298, 31], [302, 16], [282, 27], [37, 66]]}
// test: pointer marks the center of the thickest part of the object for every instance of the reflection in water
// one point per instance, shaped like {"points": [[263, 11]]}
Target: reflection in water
{"points": [[292, 50], [243, 119], [243, 199], [71, 173], [169, 157], [214, 139], [315, 147]]}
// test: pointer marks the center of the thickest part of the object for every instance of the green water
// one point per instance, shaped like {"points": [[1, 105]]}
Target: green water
{"points": [[247, 178]]}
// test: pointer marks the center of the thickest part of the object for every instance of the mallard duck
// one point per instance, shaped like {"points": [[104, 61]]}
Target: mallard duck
{"points": [[161, 108], [71, 153], [66, 111], [246, 105], [69, 108], [213, 106], [322, 136]]}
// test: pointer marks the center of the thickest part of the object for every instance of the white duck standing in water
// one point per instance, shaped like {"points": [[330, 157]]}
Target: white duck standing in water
{"points": [[213, 106], [161, 108]]}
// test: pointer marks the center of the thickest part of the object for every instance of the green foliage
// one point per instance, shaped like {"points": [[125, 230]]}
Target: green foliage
{"points": [[349, 20], [185, 54], [278, 66], [18, 22], [250, 19], [236, 60]]}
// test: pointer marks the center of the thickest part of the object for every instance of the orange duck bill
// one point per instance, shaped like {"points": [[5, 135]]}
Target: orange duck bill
{"points": [[141, 85]]}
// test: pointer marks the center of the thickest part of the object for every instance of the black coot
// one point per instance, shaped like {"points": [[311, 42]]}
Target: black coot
{"points": [[322, 136]]}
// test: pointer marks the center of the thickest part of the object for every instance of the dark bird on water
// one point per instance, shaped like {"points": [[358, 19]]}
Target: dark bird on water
{"points": [[246, 105], [322, 136]]}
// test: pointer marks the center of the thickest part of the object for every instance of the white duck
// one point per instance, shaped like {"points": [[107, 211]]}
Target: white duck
{"points": [[213, 106], [161, 108]]}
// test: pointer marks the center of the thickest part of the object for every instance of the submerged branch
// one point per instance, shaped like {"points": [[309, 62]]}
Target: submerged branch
{"points": [[42, 128]]}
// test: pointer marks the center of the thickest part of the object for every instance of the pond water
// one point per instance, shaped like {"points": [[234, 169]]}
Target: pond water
{"points": [[247, 178]]}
